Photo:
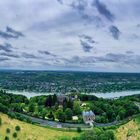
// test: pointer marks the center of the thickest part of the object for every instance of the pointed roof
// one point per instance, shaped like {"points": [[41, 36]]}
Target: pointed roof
{"points": [[88, 113]]}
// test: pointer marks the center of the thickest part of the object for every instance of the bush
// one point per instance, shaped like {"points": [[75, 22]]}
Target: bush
{"points": [[75, 138], [79, 129], [97, 135], [14, 134], [6, 138], [17, 128], [64, 138], [129, 133], [8, 130]]}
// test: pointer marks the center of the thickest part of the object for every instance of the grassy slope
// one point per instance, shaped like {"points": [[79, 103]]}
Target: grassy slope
{"points": [[129, 131], [29, 131]]}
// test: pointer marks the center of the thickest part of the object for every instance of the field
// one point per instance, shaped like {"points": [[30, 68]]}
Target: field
{"points": [[129, 131], [29, 131]]}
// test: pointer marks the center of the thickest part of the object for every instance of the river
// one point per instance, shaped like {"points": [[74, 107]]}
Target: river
{"points": [[27, 94], [117, 94], [102, 95]]}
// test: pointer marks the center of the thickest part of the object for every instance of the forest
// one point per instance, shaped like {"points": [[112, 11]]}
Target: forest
{"points": [[51, 108]]}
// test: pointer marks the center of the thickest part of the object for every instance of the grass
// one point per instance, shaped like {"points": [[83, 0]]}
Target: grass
{"points": [[129, 131], [29, 131]]}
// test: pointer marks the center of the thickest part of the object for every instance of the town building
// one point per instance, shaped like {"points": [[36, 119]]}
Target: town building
{"points": [[88, 117]]}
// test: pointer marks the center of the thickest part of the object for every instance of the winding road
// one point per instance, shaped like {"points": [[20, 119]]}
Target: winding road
{"points": [[54, 124], [74, 126]]}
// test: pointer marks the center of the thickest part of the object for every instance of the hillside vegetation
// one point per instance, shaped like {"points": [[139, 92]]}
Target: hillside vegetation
{"points": [[29, 131], [129, 131]]}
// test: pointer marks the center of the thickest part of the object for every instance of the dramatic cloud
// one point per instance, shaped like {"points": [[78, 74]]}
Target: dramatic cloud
{"points": [[6, 47], [86, 46], [70, 34], [3, 59], [29, 56], [60, 1], [88, 38], [102, 8], [46, 53], [10, 33], [86, 42], [110, 57], [129, 52], [14, 32], [85, 9], [115, 32], [9, 55], [6, 35], [79, 5], [125, 59]]}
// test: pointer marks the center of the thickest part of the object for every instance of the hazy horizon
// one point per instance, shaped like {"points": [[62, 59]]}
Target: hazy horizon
{"points": [[59, 70]]}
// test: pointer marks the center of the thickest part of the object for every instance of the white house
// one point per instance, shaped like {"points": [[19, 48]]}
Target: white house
{"points": [[88, 117], [75, 118]]}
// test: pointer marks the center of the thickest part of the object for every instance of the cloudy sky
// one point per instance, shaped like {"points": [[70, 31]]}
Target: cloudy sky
{"points": [[94, 35]]}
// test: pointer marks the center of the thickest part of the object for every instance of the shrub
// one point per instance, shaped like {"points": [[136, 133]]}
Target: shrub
{"points": [[79, 129], [17, 128], [14, 134], [129, 133], [64, 138], [6, 138], [75, 138], [97, 135], [8, 130]]}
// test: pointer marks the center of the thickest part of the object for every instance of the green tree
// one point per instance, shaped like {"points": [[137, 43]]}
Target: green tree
{"points": [[97, 134], [14, 134], [31, 107], [77, 108], [49, 101], [54, 99], [51, 116], [68, 113], [79, 129], [44, 112], [17, 128], [122, 113], [8, 130], [60, 115], [110, 134], [88, 135], [6, 138]]}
